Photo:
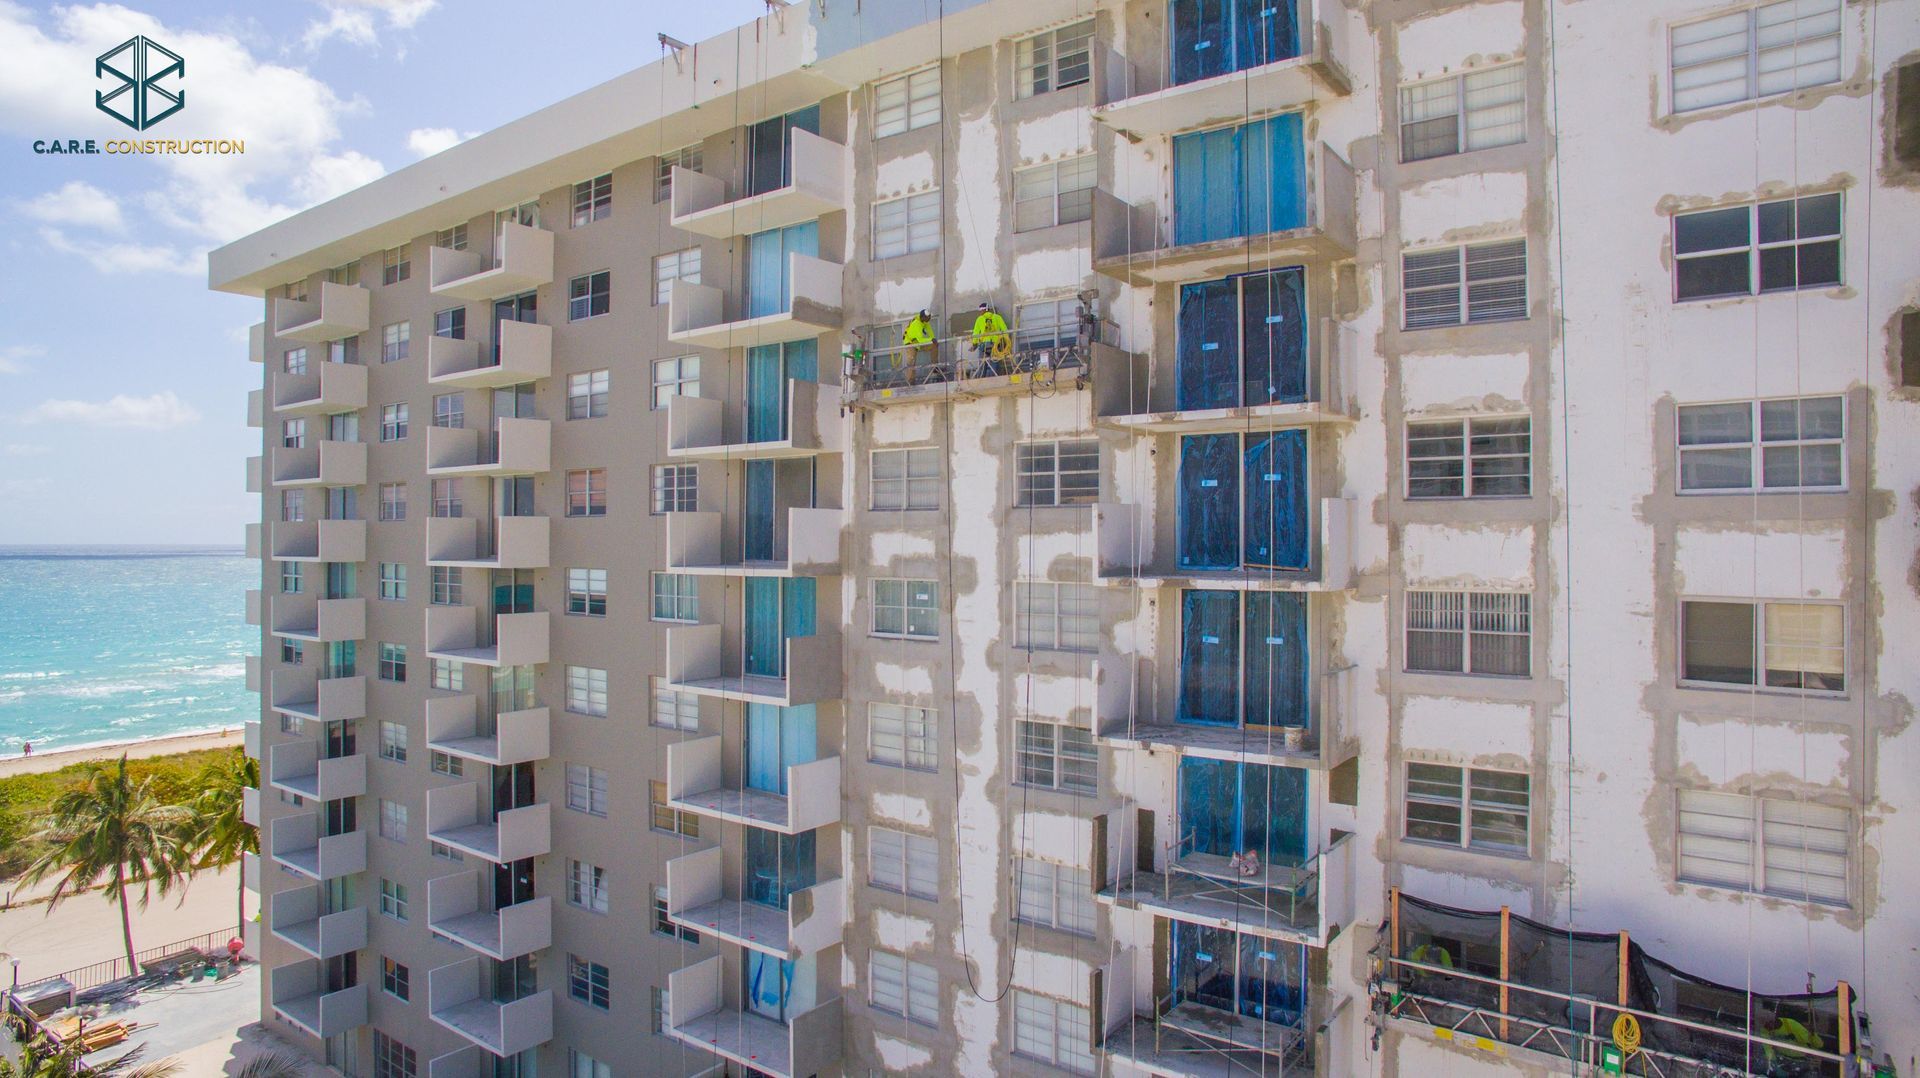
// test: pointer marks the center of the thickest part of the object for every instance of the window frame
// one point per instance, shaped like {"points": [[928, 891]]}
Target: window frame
{"points": [[396, 341], [926, 757], [587, 886], [592, 200], [590, 500], [671, 488], [395, 420], [1028, 473], [1028, 750], [662, 689], [591, 690], [660, 806], [906, 607], [906, 481], [1067, 887], [591, 391], [588, 789], [913, 1005], [1464, 282], [1470, 477], [663, 282], [1462, 93], [910, 204], [1754, 249], [1758, 844], [1499, 604], [590, 983], [586, 592], [884, 127], [1757, 444], [1068, 1051], [682, 597], [1056, 198], [1751, 90], [594, 290], [1758, 657], [677, 385], [1466, 805], [691, 158], [396, 264], [908, 843], [1026, 614], [1025, 67]]}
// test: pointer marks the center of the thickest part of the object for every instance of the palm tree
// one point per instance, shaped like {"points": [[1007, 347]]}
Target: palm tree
{"points": [[217, 833], [110, 826], [42, 1058]]}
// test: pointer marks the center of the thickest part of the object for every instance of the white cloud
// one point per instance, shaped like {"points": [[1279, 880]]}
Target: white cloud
{"points": [[353, 20], [162, 411], [26, 449], [111, 256], [13, 357], [77, 203], [427, 141]]}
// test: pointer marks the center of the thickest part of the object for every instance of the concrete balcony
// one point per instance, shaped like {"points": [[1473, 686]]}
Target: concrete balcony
{"points": [[250, 812], [255, 471], [697, 783], [462, 816], [255, 603], [468, 1062], [256, 679], [523, 353], [809, 546], [257, 342], [700, 1013], [696, 899], [341, 310], [318, 621], [294, 917], [298, 768], [1139, 99], [455, 727], [300, 691], [296, 843], [458, 1000], [1137, 394], [299, 996], [458, 633], [460, 908], [1134, 245], [320, 540], [251, 742], [522, 261], [819, 171], [699, 428], [323, 464], [250, 862], [489, 542], [255, 548], [1133, 709], [702, 316], [516, 447], [1130, 556], [1308, 902], [325, 389], [256, 408], [697, 662]]}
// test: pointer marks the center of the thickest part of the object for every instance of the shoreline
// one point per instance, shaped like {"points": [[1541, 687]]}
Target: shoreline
{"points": [[137, 749]]}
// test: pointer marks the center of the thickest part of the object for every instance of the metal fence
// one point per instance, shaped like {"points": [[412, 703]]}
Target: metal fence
{"points": [[115, 969]]}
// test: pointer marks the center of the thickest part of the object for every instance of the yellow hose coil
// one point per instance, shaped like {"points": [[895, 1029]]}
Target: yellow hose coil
{"points": [[1626, 1033]]}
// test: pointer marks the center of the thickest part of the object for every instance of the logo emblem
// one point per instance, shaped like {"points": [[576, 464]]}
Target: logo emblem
{"points": [[139, 64]]}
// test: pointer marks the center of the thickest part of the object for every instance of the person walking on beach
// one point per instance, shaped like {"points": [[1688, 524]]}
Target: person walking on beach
{"points": [[26, 748]]}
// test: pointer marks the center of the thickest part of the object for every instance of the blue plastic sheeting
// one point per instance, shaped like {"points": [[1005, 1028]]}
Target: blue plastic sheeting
{"points": [[1228, 808], [770, 149], [1209, 492], [1228, 523], [1209, 658], [1214, 37], [769, 271], [1239, 181], [1275, 685], [777, 865], [769, 366], [1266, 684], [1276, 501], [776, 739], [756, 511], [1238, 974], [766, 654], [1208, 345], [1242, 340], [779, 989], [797, 601]]}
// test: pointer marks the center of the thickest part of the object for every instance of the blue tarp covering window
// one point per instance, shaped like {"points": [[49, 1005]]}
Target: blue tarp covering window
{"points": [[769, 269], [777, 738], [1237, 973], [778, 865], [1276, 676], [769, 366], [1248, 507], [1261, 682], [756, 511], [1239, 181], [1242, 340], [1208, 345], [1214, 37], [778, 989], [1276, 500], [1210, 501], [1209, 658], [775, 610], [1228, 808]]}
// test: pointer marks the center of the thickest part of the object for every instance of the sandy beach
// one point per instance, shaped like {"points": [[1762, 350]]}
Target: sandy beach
{"points": [[137, 750]]}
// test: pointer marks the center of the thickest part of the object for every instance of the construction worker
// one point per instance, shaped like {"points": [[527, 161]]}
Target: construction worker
{"points": [[990, 338], [919, 339], [1787, 1029]]}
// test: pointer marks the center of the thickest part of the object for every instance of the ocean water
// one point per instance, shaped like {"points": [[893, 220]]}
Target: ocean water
{"points": [[101, 644]]}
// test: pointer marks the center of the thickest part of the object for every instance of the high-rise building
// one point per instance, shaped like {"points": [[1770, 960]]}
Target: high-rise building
{"points": [[1405, 576]]}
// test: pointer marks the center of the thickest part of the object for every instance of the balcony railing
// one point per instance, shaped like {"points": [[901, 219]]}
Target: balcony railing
{"points": [[298, 767], [257, 342], [697, 783], [697, 899], [522, 260], [1138, 392], [514, 447], [489, 542], [699, 663], [299, 996], [462, 816], [697, 314], [300, 691], [325, 389], [325, 463], [819, 170], [297, 844], [458, 999], [256, 408], [809, 545], [1134, 709], [250, 810], [522, 352], [1307, 902], [255, 602], [251, 742], [700, 428], [323, 621], [256, 470], [320, 540], [1173, 1035], [340, 310], [699, 1013], [295, 917], [1131, 555], [456, 726], [460, 633], [460, 908]]}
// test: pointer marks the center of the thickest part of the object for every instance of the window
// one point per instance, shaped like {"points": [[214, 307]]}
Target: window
{"points": [[906, 478], [668, 818], [1471, 111], [1055, 895], [446, 853], [903, 987], [1483, 282], [902, 226], [293, 505], [676, 597], [671, 267], [1801, 854], [1470, 458], [676, 377], [393, 501], [1053, 323], [294, 361], [587, 789], [393, 423], [673, 709], [1059, 473], [586, 886], [393, 741], [906, 103], [446, 587], [394, 978], [453, 239], [348, 274], [675, 488], [592, 199], [581, 1065], [657, 1006], [396, 341], [587, 395], [1056, 193], [449, 675], [1052, 1031], [902, 736], [442, 764], [906, 608], [1056, 756], [393, 662], [586, 690], [589, 295], [293, 653], [293, 434], [446, 497], [1055, 617], [393, 820], [1468, 807], [1799, 247], [395, 266], [587, 492], [292, 579], [391, 1059], [451, 323], [1766, 49], [686, 157], [1795, 645], [587, 592], [393, 899], [663, 922], [588, 982], [1054, 60], [1800, 445], [897, 861], [393, 580], [1473, 632], [450, 410]]}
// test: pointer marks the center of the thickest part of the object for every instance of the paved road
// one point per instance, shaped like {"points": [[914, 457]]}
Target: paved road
{"points": [[86, 929]]}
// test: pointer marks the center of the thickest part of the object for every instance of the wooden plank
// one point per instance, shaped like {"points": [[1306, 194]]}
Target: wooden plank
{"points": [[1506, 916]]}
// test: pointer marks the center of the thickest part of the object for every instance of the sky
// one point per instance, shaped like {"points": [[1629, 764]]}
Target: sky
{"points": [[123, 379]]}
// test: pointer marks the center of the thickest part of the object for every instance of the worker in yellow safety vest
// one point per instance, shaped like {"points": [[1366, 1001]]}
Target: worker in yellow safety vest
{"points": [[990, 338], [1783, 1028], [919, 339]]}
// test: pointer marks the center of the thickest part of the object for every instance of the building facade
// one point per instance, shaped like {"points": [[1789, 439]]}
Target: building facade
{"points": [[1411, 583]]}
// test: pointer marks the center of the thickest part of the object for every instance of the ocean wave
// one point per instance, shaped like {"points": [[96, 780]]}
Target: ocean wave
{"points": [[33, 675]]}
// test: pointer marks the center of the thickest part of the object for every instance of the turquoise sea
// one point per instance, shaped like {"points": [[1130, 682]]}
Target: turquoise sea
{"points": [[102, 644]]}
